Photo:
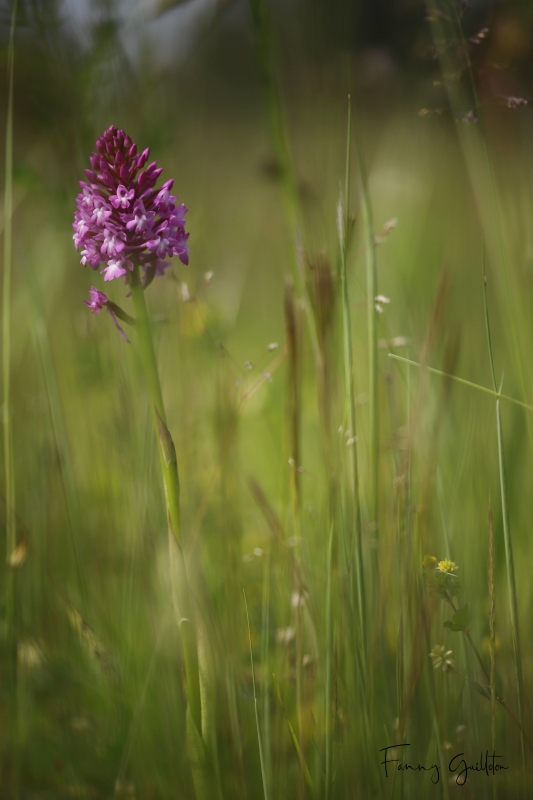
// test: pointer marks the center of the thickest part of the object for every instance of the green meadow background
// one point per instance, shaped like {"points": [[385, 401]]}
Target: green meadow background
{"points": [[249, 113]]}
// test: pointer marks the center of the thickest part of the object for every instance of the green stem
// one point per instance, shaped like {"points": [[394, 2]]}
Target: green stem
{"points": [[281, 146], [350, 390], [265, 658], [329, 668], [511, 579], [470, 640], [169, 468], [258, 727], [6, 360], [167, 457], [371, 291], [511, 582]]}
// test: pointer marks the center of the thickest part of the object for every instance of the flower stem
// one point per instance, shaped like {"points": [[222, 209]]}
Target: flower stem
{"points": [[169, 468], [145, 344], [469, 637]]}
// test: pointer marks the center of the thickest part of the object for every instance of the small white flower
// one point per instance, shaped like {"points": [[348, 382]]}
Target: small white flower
{"points": [[441, 658]]}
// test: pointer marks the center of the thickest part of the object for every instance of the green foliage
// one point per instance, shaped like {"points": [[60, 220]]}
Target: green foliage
{"points": [[460, 620]]}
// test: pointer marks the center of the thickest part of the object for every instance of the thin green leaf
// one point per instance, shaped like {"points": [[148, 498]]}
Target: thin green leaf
{"points": [[258, 727], [294, 738], [460, 620], [477, 386]]}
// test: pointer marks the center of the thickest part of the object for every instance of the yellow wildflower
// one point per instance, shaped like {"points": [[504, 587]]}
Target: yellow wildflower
{"points": [[447, 566]]}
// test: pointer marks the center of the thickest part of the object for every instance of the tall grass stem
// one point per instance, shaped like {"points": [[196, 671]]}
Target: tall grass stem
{"points": [[329, 666], [258, 727], [11, 533], [372, 330], [350, 387], [509, 559]]}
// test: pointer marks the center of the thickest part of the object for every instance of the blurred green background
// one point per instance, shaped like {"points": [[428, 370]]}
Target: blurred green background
{"points": [[97, 707]]}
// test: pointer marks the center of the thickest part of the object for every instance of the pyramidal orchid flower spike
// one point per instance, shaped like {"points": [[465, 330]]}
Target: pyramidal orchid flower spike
{"points": [[125, 227], [122, 219]]}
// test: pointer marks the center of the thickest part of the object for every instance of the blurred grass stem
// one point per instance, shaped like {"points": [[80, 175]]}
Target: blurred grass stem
{"points": [[372, 291], [492, 635], [258, 727], [11, 533], [473, 142], [281, 148], [329, 667], [349, 386]]}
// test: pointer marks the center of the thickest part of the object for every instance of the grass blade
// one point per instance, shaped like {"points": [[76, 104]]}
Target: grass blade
{"points": [[344, 218], [509, 560], [258, 727], [511, 583], [11, 533], [294, 738], [477, 158], [492, 637], [265, 658], [494, 392], [371, 291], [329, 668]]}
